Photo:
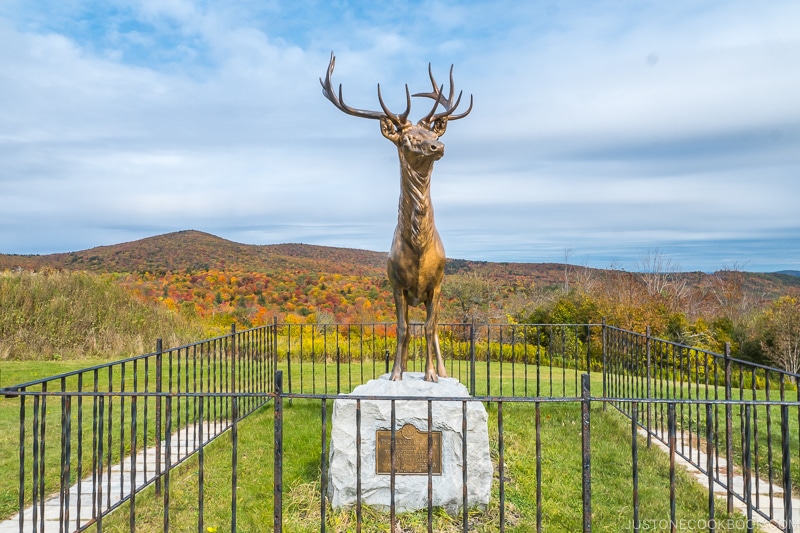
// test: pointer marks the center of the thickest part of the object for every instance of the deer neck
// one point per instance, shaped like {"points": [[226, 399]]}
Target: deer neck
{"points": [[415, 212]]}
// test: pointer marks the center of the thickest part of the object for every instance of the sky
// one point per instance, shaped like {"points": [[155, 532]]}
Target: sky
{"points": [[602, 132]]}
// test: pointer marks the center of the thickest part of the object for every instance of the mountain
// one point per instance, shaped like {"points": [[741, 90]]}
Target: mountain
{"points": [[190, 251], [795, 273]]}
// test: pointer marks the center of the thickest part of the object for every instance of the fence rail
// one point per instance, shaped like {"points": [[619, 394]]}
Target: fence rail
{"points": [[755, 410], [120, 427], [126, 434], [491, 359]]}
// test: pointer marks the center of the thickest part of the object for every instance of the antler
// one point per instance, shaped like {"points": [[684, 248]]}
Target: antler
{"points": [[449, 106], [398, 120]]}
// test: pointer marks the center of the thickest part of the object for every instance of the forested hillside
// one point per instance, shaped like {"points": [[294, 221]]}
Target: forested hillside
{"points": [[205, 283], [197, 251]]}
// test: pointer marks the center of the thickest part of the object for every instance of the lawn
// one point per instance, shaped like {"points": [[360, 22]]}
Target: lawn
{"points": [[560, 459], [560, 479]]}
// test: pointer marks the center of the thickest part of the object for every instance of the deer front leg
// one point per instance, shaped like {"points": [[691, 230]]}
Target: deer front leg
{"points": [[401, 308], [432, 338]]}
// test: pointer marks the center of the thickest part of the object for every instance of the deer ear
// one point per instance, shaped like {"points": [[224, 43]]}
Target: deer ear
{"points": [[439, 126], [389, 130]]}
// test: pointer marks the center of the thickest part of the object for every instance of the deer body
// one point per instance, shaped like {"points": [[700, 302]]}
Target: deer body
{"points": [[416, 259], [415, 266]]}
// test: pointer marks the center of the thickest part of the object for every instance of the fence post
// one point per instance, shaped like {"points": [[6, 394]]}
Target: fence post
{"points": [[277, 474], [233, 358], [710, 446], [472, 357], [635, 463], [728, 428], [324, 462], [159, 352], [22, 457], [167, 461], [234, 460], [604, 371], [649, 379], [797, 388], [98, 503], [66, 439], [586, 484], [786, 467], [747, 470], [274, 346], [672, 443], [588, 349]]}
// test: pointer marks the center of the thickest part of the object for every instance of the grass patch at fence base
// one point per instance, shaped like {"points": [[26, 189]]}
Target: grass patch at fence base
{"points": [[560, 484]]}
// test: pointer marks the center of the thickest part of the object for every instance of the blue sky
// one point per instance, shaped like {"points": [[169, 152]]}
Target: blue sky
{"points": [[606, 129]]}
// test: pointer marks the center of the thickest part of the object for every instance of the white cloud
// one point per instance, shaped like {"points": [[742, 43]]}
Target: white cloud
{"points": [[598, 126]]}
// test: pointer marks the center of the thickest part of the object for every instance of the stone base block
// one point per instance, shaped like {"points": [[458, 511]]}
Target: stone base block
{"points": [[411, 490]]}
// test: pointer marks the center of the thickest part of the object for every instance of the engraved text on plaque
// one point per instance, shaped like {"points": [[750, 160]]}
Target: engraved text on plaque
{"points": [[411, 451]]}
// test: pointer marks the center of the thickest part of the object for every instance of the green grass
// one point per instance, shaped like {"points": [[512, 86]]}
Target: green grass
{"points": [[509, 379], [82, 410], [611, 468], [561, 486], [693, 417]]}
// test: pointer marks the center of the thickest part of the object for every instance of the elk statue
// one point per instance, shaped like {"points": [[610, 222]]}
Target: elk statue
{"points": [[416, 260]]}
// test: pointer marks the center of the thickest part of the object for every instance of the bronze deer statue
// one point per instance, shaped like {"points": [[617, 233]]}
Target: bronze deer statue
{"points": [[416, 259]]}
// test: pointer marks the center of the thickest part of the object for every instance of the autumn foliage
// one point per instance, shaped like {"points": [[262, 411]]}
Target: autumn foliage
{"points": [[211, 283], [219, 297]]}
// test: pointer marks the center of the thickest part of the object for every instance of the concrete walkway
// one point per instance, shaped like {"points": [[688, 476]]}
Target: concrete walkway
{"points": [[183, 442], [760, 492]]}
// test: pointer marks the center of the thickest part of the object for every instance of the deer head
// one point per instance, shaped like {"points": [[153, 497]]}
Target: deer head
{"points": [[417, 143]]}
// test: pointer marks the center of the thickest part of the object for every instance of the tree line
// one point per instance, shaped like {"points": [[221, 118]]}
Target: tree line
{"points": [[696, 309]]}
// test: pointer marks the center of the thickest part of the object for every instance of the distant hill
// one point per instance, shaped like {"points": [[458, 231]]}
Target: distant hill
{"points": [[795, 273], [195, 250], [190, 250]]}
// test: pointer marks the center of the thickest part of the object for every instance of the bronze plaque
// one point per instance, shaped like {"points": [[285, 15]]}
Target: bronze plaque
{"points": [[411, 451]]}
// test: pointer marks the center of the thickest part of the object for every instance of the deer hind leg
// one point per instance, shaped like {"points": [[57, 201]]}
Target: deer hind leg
{"points": [[401, 308], [432, 339]]}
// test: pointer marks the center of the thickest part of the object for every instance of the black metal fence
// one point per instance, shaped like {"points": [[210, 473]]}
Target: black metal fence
{"points": [[730, 416], [130, 435], [490, 359], [120, 427]]}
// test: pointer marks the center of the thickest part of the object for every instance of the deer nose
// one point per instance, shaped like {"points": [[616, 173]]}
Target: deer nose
{"points": [[436, 147]]}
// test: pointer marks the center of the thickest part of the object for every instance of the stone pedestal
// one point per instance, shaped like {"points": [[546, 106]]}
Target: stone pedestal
{"points": [[411, 490]]}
